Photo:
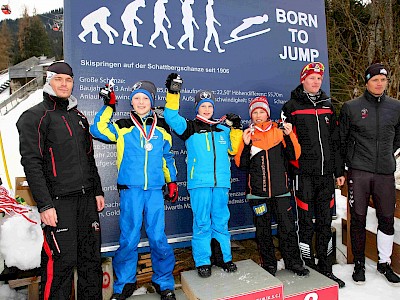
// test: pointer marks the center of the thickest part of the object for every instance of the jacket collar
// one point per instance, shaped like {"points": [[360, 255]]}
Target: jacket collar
{"points": [[372, 98], [299, 94], [50, 95]]}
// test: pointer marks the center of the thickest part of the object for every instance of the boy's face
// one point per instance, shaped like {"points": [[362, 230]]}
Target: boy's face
{"points": [[312, 83], [141, 104], [62, 85], [377, 85], [206, 110], [259, 116]]}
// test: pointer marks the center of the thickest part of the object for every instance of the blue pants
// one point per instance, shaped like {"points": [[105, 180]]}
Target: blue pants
{"points": [[136, 203], [210, 220]]}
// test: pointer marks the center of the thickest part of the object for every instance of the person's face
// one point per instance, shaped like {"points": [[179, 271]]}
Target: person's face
{"points": [[141, 104], [312, 83], [259, 116], [377, 85], [62, 85], [206, 110]]}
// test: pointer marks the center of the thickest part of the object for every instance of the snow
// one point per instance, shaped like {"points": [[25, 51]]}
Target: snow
{"points": [[376, 287]]}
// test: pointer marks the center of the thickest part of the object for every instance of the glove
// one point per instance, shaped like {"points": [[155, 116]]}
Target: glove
{"points": [[108, 96], [170, 192], [234, 121], [174, 83]]}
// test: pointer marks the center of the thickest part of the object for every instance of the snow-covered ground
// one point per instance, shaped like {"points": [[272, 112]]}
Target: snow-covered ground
{"points": [[376, 286]]}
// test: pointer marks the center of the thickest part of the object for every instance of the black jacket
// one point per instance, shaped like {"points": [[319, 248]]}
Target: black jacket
{"points": [[315, 125], [370, 133], [57, 151]]}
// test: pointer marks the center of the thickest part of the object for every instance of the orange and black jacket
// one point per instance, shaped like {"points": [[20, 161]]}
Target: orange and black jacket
{"points": [[266, 160]]}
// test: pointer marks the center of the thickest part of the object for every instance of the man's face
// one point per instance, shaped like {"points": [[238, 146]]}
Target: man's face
{"points": [[377, 85], [62, 85], [312, 83]]}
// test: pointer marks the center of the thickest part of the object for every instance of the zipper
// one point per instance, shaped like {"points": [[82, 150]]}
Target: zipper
{"points": [[207, 142], [269, 174], [67, 125], [320, 141], [53, 162], [215, 158], [192, 170], [376, 135]]}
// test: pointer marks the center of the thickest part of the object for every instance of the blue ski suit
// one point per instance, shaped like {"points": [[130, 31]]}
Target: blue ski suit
{"points": [[208, 178], [141, 175]]}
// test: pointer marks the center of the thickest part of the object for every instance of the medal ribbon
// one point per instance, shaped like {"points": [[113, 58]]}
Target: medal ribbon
{"points": [[208, 121], [147, 137], [253, 127]]}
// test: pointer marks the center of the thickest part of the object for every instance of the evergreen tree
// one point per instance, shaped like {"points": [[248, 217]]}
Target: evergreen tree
{"points": [[6, 45], [32, 37]]}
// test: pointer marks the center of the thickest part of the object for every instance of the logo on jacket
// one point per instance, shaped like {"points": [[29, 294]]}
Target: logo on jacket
{"points": [[96, 226], [364, 113], [327, 120], [222, 140]]}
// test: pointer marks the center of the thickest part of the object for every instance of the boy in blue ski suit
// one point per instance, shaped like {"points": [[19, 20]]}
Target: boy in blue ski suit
{"points": [[145, 163], [208, 144]]}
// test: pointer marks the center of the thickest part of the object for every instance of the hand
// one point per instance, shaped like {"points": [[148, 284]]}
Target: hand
{"points": [[174, 83], [340, 180], [234, 121], [100, 202], [287, 128], [171, 194], [49, 217], [108, 95], [247, 136]]}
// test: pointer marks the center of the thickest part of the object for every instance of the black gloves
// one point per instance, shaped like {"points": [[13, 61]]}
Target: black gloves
{"points": [[170, 191], [174, 83], [234, 121], [108, 95]]}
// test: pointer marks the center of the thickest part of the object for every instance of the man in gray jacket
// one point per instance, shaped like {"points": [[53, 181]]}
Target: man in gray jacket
{"points": [[370, 134]]}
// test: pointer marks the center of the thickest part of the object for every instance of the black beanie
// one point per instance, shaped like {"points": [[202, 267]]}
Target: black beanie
{"points": [[61, 68], [203, 96], [146, 87], [375, 69]]}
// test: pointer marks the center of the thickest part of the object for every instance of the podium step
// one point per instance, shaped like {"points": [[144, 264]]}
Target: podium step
{"points": [[315, 286], [250, 281]]}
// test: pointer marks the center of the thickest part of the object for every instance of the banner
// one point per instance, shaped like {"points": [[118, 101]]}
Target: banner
{"points": [[238, 49]]}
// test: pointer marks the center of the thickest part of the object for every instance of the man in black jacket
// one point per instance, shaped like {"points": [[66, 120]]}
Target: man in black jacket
{"points": [[313, 117], [57, 156], [370, 134]]}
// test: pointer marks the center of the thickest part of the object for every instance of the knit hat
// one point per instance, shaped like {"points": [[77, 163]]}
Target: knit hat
{"points": [[203, 96], [259, 102], [375, 69], [146, 87], [311, 68], [58, 68]]}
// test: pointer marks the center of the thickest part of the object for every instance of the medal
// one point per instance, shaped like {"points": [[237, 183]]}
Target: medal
{"points": [[148, 146]]}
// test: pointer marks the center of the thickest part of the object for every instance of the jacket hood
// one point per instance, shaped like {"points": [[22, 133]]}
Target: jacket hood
{"points": [[72, 101]]}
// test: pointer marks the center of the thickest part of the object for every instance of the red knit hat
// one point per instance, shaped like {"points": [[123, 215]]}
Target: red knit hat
{"points": [[259, 102], [311, 68]]}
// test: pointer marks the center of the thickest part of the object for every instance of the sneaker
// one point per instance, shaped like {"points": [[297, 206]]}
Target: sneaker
{"points": [[334, 278], [229, 266], [386, 270], [270, 269], [167, 295], [359, 273], [299, 270], [204, 271], [117, 297], [127, 291]]}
